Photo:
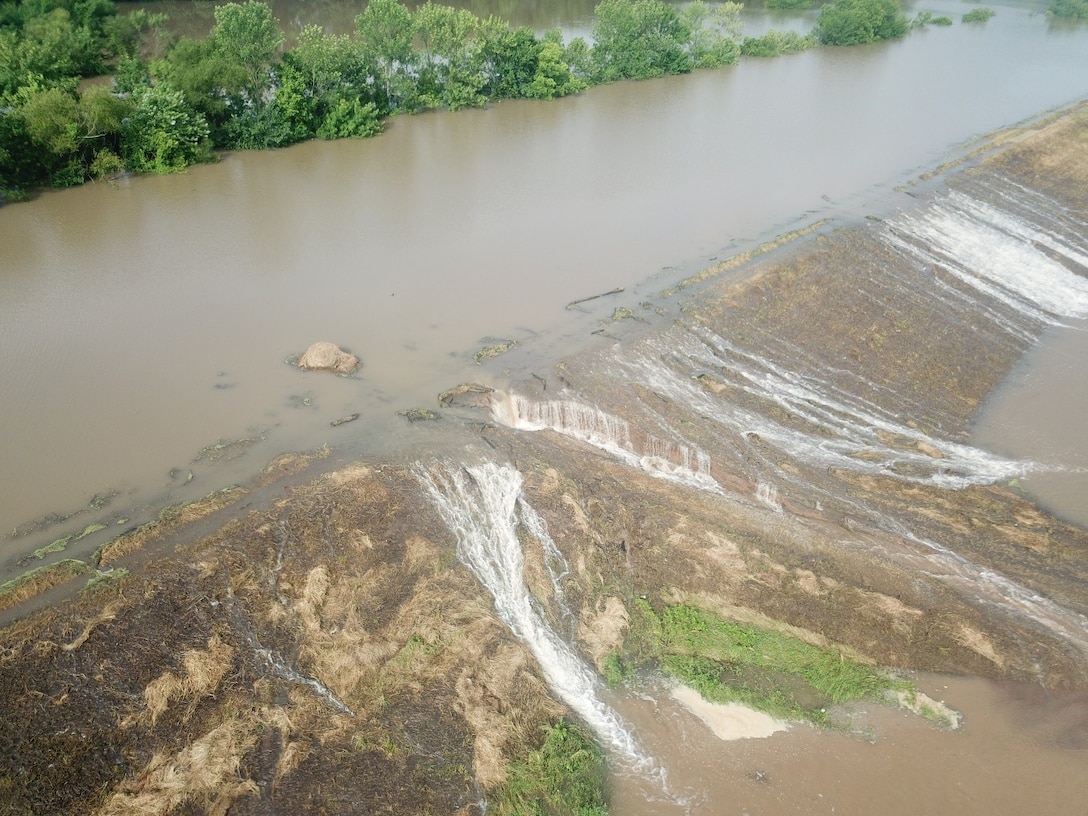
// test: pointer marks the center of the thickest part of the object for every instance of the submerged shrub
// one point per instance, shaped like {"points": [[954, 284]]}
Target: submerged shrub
{"points": [[924, 18], [853, 22], [979, 15], [775, 43], [1073, 9]]}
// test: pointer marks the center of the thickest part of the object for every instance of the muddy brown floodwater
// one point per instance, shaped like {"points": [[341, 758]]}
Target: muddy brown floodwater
{"points": [[1021, 750]]}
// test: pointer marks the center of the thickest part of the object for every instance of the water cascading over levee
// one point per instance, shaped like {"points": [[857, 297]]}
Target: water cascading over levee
{"points": [[827, 426], [1022, 262], [484, 507], [675, 461]]}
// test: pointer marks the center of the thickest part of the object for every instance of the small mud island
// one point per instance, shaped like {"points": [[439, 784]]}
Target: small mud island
{"points": [[774, 500]]}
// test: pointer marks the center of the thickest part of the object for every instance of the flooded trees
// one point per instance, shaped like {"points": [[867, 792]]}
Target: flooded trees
{"points": [[854, 22]]}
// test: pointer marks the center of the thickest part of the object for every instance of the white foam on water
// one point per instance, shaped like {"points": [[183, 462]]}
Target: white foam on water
{"points": [[484, 508]]}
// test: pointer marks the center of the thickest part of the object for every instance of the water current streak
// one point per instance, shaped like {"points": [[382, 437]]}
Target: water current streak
{"points": [[484, 508]]}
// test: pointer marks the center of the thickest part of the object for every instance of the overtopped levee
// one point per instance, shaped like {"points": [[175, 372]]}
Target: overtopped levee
{"points": [[790, 454]]}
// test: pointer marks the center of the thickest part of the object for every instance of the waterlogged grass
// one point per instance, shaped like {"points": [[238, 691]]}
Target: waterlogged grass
{"points": [[564, 777], [774, 672], [41, 579]]}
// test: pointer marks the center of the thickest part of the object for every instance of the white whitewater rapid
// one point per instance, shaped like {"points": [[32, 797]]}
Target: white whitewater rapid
{"points": [[483, 506]]}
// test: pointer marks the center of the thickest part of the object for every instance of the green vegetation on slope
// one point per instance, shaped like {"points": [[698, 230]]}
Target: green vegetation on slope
{"points": [[726, 661], [563, 777]]}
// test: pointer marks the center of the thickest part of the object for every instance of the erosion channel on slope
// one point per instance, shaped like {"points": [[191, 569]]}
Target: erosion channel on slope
{"points": [[793, 454]]}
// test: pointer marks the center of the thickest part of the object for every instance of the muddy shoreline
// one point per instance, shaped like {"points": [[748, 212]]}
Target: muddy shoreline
{"points": [[311, 643]]}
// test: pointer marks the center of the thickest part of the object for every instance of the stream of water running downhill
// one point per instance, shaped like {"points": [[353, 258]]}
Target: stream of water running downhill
{"points": [[483, 506]]}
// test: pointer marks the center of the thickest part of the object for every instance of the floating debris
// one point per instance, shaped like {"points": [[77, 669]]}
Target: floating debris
{"points": [[616, 291], [466, 395], [222, 451], [419, 414], [344, 420], [494, 350]]}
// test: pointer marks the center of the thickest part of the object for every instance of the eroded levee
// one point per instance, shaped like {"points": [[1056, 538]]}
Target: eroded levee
{"points": [[792, 453]]}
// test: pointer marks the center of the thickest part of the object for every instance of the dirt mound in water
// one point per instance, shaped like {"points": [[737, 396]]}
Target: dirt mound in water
{"points": [[322, 649], [326, 356]]}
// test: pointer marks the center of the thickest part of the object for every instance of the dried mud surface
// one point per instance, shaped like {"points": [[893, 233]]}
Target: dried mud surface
{"points": [[321, 649]]}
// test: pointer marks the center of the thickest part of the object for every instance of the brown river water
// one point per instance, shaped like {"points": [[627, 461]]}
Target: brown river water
{"points": [[146, 320]]}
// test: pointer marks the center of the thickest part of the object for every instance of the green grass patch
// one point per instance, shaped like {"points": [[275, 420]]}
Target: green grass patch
{"points": [[105, 579], [565, 776], [616, 670], [56, 546], [90, 529], [726, 661]]}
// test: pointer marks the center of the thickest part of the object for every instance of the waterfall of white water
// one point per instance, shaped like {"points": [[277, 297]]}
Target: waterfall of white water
{"points": [[484, 508], [998, 254], [663, 459]]}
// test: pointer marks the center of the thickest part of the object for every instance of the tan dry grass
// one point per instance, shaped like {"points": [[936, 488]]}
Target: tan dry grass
{"points": [[169, 521], [602, 630], [204, 669], [107, 614], [39, 580], [204, 775]]}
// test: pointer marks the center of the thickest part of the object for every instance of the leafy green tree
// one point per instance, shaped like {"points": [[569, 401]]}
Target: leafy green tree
{"points": [[714, 34], [213, 85], [978, 15], [327, 63], [350, 119], [578, 56], [636, 39], [58, 133], [385, 32], [509, 61], [853, 22], [163, 134], [248, 35], [554, 77]]}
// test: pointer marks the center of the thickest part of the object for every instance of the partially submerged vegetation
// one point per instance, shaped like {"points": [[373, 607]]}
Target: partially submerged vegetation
{"points": [[978, 15], [731, 662], [174, 101], [1069, 9]]}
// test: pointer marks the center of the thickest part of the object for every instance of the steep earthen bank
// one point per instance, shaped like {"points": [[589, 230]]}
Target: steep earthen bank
{"points": [[323, 650]]}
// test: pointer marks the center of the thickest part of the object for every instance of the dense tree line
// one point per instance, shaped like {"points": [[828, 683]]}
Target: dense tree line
{"points": [[239, 87]]}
